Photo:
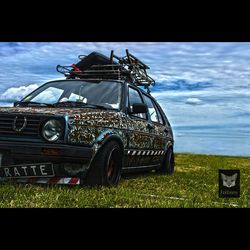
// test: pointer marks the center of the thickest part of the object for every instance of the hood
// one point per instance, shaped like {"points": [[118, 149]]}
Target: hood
{"points": [[81, 116]]}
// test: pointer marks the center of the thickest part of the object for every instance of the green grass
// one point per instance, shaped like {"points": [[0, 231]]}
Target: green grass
{"points": [[194, 184]]}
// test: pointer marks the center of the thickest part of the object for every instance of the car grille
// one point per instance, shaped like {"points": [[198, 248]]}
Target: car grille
{"points": [[31, 130]]}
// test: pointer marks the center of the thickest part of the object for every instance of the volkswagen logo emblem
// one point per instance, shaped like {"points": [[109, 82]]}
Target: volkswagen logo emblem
{"points": [[19, 129]]}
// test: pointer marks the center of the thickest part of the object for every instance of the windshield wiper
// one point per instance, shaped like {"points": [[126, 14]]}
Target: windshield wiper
{"points": [[25, 104], [77, 104]]}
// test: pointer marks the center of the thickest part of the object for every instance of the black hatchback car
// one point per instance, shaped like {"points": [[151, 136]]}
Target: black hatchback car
{"points": [[86, 129]]}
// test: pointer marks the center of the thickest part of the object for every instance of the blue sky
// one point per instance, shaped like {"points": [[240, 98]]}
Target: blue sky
{"points": [[204, 88]]}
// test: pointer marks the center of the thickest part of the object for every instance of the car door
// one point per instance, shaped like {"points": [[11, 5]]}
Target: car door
{"points": [[159, 131], [140, 141]]}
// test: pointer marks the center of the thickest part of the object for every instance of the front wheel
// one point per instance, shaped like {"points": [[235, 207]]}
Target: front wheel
{"points": [[106, 167], [167, 166]]}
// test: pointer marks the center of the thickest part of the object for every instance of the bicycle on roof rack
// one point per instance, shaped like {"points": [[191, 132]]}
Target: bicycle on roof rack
{"points": [[96, 66]]}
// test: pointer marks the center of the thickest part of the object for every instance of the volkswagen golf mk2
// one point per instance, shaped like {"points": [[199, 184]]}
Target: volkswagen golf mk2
{"points": [[84, 131]]}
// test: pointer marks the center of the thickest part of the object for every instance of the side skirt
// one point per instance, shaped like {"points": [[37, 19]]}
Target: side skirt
{"points": [[139, 168]]}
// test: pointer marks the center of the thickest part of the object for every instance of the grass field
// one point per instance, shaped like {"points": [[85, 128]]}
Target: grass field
{"points": [[194, 184]]}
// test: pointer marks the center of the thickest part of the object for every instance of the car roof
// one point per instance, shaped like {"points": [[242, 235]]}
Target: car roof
{"points": [[83, 80]]}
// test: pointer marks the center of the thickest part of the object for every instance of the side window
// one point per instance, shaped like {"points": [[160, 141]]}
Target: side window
{"points": [[154, 111], [159, 114], [151, 108], [134, 97]]}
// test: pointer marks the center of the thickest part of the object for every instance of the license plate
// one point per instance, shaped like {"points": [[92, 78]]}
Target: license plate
{"points": [[28, 170]]}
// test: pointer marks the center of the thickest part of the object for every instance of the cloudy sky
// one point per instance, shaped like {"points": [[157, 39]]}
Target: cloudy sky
{"points": [[204, 88]]}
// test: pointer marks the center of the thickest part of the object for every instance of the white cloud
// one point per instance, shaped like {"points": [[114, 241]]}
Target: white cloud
{"points": [[17, 93], [193, 101]]}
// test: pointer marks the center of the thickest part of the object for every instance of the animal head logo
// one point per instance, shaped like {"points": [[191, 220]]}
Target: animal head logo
{"points": [[229, 181]]}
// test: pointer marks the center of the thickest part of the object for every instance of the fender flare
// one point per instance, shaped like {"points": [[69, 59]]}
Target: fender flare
{"points": [[102, 139], [105, 138], [169, 144]]}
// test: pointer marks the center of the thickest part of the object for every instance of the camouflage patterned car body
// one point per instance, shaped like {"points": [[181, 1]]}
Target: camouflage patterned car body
{"points": [[86, 131]]}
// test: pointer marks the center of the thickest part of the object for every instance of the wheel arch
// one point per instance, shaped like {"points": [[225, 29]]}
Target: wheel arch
{"points": [[104, 138], [112, 137], [100, 144], [169, 145]]}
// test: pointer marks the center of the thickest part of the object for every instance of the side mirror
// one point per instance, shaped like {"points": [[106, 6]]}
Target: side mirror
{"points": [[138, 108]]}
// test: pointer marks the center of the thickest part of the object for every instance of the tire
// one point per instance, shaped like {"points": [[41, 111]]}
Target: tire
{"points": [[106, 167], [167, 166]]}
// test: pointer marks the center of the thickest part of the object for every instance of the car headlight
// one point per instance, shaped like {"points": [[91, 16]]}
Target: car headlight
{"points": [[52, 130]]}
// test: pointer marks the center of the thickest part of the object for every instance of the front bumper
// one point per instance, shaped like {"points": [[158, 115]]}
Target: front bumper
{"points": [[68, 160]]}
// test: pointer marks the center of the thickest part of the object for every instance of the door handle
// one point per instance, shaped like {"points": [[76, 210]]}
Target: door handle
{"points": [[150, 126]]}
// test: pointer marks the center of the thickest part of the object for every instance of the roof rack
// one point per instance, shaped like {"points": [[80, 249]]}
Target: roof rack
{"points": [[96, 66]]}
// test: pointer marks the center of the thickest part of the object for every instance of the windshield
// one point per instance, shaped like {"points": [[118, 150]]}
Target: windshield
{"points": [[104, 93]]}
